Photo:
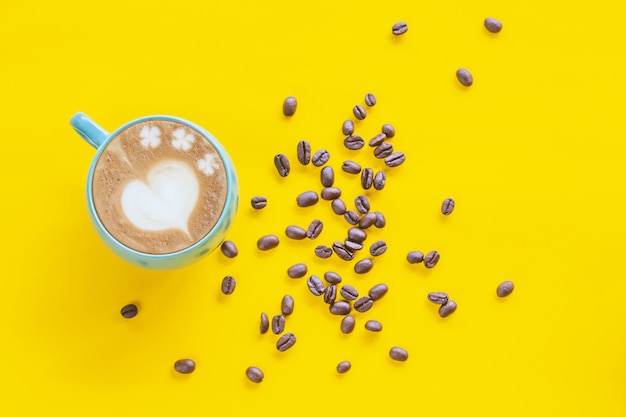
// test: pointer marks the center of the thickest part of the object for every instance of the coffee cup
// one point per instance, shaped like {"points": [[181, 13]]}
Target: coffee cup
{"points": [[162, 192]]}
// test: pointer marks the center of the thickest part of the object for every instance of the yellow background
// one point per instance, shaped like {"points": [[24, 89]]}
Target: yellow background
{"points": [[533, 153]]}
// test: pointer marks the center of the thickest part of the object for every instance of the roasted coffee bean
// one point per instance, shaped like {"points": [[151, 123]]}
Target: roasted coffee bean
{"points": [[330, 294], [438, 297], [254, 374], [258, 202], [265, 323], [332, 277], [380, 179], [343, 367], [378, 248], [351, 217], [316, 286], [342, 251], [323, 251], [349, 292], [185, 366], [431, 259], [359, 112], [340, 308], [378, 291], [373, 325], [267, 242], [315, 228], [304, 152], [357, 235], [377, 140], [398, 354], [464, 77], [354, 142], [362, 204], [395, 159], [129, 311], [388, 130], [415, 257], [367, 220], [228, 285], [307, 199], [363, 304], [297, 271], [447, 206], [282, 164], [295, 232], [330, 193], [505, 289], [447, 308], [370, 99], [383, 150], [351, 167], [367, 178], [493, 25], [347, 324], [363, 266], [229, 249], [399, 28], [286, 305], [327, 176], [380, 220], [338, 206], [278, 324], [285, 342], [289, 106], [347, 128], [353, 246], [320, 157]]}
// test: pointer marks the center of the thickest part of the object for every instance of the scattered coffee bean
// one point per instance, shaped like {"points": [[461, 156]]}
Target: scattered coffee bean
{"points": [[505, 289], [340, 308], [327, 176], [353, 142], [398, 354], [347, 324], [265, 323], [351, 167], [304, 152], [342, 251], [297, 271], [367, 178], [278, 324], [316, 286], [395, 159], [431, 259], [295, 232], [282, 164], [332, 277], [254, 374], [228, 285], [286, 305], [367, 220], [362, 204], [307, 199], [330, 193], [377, 140], [370, 99], [129, 311], [185, 366], [353, 246], [447, 206], [373, 325], [343, 367], [380, 220], [388, 130], [380, 179], [351, 217], [267, 242], [493, 25], [315, 228], [349, 292], [363, 266], [347, 128], [378, 291], [330, 294], [383, 150], [320, 157], [258, 202], [338, 206], [464, 77], [289, 106], [438, 297], [285, 342], [447, 308], [378, 248], [415, 257], [229, 249], [323, 251], [357, 235], [399, 28], [359, 112], [363, 304]]}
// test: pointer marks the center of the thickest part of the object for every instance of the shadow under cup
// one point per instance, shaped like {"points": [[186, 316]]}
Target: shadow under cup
{"points": [[157, 142]]}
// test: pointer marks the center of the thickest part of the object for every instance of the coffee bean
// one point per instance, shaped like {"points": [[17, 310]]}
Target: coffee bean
{"points": [[267, 242], [380, 179], [447, 206], [378, 248], [332, 277], [347, 128], [438, 297], [307, 199], [289, 106], [330, 193], [285, 342], [505, 289], [304, 152], [367, 178], [278, 324], [363, 266], [363, 304], [351, 217], [362, 204], [351, 167], [282, 164], [493, 25], [399, 28], [464, 77], [347, 324], [295, 232], [349, 292], [377, 140], [330, 294], [383, 150], [286, 305], [265, 323], [357, 235], [228, 285], [447, 308], [353, 246], [398, 354], [380, 220], [185, 366], [378, 291], [229, 249], [297, 271], [359, 112], [340, 308], [338, 206], [370, 99], [315, 285], [327, 176], [320, 157], [258, 202], [353, 142], [367, 220], [315, 228], [323, 251], [388, 130], [431, 259], [415, 257], [373, 325], [129, 311], [395, 159], [254, 374], [342, 251], [343, 367]]}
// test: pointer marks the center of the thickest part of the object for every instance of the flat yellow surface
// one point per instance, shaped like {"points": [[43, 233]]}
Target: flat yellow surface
{"points": [[533, 154]]}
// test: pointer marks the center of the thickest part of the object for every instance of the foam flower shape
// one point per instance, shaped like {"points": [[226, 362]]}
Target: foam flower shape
{"points": [[150, 136], [208, 165], [182, 140]]}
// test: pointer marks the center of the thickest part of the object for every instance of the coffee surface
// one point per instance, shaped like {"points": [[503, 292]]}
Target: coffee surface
{"points": [[159, 187]]}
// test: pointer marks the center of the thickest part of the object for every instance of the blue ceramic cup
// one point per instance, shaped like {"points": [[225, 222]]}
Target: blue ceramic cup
{"points": [[100, 139]]}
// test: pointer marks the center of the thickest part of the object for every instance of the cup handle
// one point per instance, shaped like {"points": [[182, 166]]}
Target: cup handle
{"points": [[88, 130]]}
